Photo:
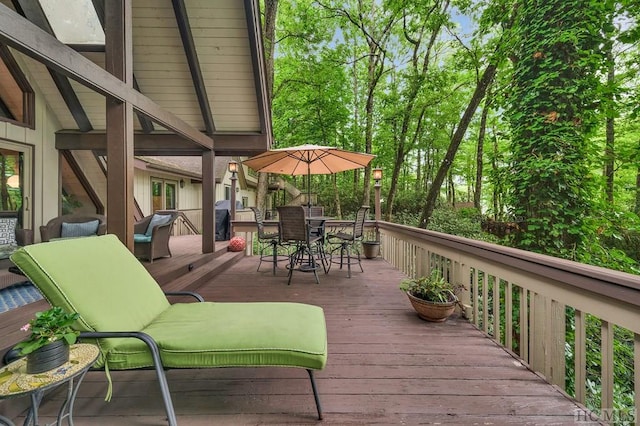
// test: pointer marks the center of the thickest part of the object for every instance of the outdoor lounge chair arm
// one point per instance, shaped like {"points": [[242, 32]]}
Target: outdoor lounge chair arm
{"points": [[185, 293], [157, 363]]}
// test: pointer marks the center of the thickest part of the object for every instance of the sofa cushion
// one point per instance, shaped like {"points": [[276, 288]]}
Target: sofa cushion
{"points": [[80, 229], [8, 230], [157, 219]]}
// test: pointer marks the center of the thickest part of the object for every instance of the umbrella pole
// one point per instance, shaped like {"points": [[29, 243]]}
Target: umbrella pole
{"points": [[309, 185]]}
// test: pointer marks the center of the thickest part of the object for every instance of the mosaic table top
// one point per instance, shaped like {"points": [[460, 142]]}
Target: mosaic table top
{"points": [[15, 381]]}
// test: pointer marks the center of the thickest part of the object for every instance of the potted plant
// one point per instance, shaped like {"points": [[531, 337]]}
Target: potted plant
{"points": [[432, 296], [48, 344]]}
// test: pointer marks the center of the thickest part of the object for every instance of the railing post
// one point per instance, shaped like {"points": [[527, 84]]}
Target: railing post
{"points": [[233, 168]]}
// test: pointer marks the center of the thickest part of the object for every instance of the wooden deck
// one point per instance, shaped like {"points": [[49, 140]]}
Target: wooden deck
{"points": [[386, 366]]}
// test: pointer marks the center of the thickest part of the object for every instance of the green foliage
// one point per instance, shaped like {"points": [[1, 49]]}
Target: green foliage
{"points": [[463, 222], [555, 90], [47, 327], [433, 288]]}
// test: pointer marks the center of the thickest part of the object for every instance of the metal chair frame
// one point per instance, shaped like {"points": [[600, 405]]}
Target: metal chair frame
{"points": [[347, 242], [295, 231], [266, 241]]}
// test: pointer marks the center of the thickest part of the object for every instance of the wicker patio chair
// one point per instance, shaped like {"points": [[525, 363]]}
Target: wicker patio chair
{"points": [[151, 235]]}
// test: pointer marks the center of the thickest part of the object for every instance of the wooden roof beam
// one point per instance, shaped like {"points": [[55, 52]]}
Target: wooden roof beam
{"points": [[251, 10], [182, 19], [34, 13], [227, 144], [98, 6], [27, 38]]}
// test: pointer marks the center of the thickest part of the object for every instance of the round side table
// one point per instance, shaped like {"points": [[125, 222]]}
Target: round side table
{"points": [[15, 382]]}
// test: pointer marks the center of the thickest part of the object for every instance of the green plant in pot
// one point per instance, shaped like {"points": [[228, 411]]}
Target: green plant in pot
{"points": [[432, 296], [48, 344]]}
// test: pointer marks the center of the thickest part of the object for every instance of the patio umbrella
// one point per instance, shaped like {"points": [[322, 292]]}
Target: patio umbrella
{"points": [[308, 160]]}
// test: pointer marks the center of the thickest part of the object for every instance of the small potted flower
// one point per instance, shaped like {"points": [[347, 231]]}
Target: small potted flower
{"points": [[48, 345], [432, 296]]}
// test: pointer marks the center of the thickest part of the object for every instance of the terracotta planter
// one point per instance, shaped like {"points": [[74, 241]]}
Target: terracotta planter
{"points": [[371, 249], [48, 357], [432, 311]]}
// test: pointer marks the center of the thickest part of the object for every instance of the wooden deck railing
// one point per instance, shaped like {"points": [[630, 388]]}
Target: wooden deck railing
{"points": [[536, 291]]}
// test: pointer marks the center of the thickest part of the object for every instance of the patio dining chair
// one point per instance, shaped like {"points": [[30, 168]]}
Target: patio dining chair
{"points": [[268, 243], [348, 243], [123, 310], [295, 231]]}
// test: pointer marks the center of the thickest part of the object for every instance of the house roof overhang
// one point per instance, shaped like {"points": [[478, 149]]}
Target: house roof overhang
{"points": [[199, 78]]}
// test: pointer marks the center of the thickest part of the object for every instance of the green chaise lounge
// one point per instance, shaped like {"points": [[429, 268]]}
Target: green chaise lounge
{"points": [[135, 326]]}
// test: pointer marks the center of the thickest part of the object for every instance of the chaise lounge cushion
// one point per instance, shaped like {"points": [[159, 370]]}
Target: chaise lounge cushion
{"points": [[120, 295]]}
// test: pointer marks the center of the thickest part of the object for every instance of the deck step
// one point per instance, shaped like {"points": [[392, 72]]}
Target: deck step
{"points": [[181, 265], [193, 279]]}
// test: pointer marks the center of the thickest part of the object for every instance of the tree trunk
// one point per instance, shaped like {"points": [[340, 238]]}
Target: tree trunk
{"points": [[609, 150], [456, 140], [637, 206], [477, 193]]}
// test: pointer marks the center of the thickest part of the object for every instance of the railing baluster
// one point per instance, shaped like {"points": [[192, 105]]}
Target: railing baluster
{"points": [[496, 308], [557, 339], [606, 348], [580, 354], [508, 316], [524, 325], [485, 302], [462, 278], [476, 298]]}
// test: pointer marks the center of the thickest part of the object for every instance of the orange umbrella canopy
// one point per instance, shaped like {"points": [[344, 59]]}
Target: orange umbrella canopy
{"points": [[308, 160]]}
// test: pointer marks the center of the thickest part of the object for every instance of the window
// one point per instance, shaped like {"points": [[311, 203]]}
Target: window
{"points": [[74, 21], [227, 192], [164, 194]]}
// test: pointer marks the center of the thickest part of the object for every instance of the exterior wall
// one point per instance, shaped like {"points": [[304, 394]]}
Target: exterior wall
{"points": [[188, 198]]}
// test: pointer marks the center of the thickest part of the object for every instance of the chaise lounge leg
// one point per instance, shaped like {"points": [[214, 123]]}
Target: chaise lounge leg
{"points": [[315, 393], [166, 395], [157, 364]]}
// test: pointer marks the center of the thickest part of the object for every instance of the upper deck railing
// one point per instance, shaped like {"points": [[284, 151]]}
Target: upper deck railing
{"points": [[524, 301]]}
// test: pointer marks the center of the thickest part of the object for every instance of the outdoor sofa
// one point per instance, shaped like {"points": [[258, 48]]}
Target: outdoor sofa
{"points": [[124, 311]]}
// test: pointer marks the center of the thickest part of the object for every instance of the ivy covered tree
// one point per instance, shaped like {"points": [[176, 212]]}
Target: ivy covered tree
{"points": [[554, 109]]}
